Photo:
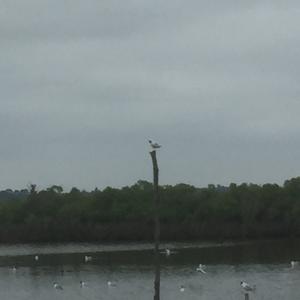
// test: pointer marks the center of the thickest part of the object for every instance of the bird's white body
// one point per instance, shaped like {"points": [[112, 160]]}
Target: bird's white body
{"points": [[294, 263], [247, 287], [182, 288], [111, 283], [168, 252], [83, 284], [154, 145], [14, 269], [36, 258], [57, 286], [88, 258], [201, 269]]}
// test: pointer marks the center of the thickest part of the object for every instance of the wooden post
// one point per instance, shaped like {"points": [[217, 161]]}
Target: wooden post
{"points": [[156, 226], [246, 296]]}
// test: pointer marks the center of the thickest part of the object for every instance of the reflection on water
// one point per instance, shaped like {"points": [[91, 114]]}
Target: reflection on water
{"points": [[266, 264]]}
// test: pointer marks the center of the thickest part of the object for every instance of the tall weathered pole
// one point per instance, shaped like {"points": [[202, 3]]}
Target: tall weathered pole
{"points": [[156, 226]]}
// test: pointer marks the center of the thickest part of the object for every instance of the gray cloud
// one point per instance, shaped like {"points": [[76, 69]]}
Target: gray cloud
{"points": [[85, 83]]}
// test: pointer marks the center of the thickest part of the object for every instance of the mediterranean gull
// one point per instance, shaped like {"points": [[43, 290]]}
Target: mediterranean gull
{"points": [[111, 283], [247, 287], [83, 284], [154, 145], [201, 269], [57, 286], [294, 263], [87, 258]]}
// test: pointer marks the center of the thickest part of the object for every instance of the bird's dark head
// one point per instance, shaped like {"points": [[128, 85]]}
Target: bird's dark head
{"points": [[150, 141]]}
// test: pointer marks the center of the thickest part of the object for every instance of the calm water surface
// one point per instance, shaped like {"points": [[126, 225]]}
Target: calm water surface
{"points": [[266, 264]]}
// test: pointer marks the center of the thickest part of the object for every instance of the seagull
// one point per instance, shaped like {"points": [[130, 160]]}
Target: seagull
{"points": [[247, 287], [182, 288], [167, 252], [294, 263], [83, 284], [111, 283], [36, 258], [57, 286], [154, 145], [201, 269], [87, 258]]}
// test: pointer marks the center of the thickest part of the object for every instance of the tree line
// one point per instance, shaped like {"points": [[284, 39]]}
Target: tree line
{"points": [[125, 214]]}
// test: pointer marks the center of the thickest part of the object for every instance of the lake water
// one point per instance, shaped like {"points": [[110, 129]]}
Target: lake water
{"points": [[265, 264]]}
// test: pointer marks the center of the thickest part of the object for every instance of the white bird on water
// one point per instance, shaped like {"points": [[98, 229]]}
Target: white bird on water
{"points": [[111, 283], [36, 258], [154, 145], [83, 284], [247, 287], [168, 252], [57, 286], [201, 269], [182, 288], [294, 263], [88, 258]]}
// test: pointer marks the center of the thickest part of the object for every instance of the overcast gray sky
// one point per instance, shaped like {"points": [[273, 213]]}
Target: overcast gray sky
{"points": [[85, 83]]}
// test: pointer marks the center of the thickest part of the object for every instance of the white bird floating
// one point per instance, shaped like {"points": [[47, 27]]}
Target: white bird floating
{"points": [[182, 288], [154, 145], [88, 258], [201, 269], [111, 283], [57, 286], [83, 284], [294, 263], [14, 269], [168, 252], [247, 287], [36, 258]]}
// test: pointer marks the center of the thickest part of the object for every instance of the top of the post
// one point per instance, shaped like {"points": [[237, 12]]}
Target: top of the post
{"points": [[153, 154]]}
